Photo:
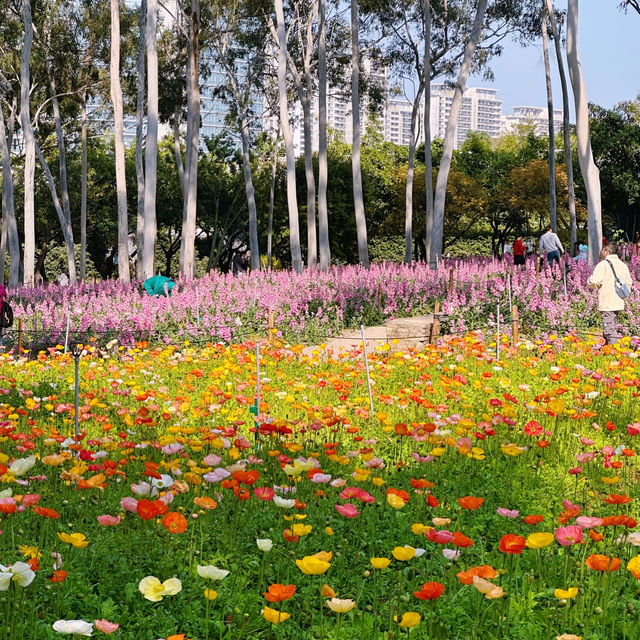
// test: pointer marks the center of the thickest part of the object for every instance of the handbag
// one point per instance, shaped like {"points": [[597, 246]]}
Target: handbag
{"points": [[622, 290]]}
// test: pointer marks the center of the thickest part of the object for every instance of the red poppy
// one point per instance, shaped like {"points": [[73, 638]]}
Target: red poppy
{"points": [[512, 543], [264, 493], [432, 501], [533, 428], [174, 522], [148, 509], [46, 512], [470, 503], [246, 477], [533, 520], [614, 498], [430, 591], [279, 592], [462, 541]]}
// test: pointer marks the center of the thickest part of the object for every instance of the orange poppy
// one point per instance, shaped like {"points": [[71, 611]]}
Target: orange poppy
{"points": [[595, 536], [512, 543], [533, 520], [599, 562], [430, 591], [470, 503], [205, 502], [58, 576], [460, 540], [279, 592], [246, 477], [148, 509], [46, 512], [403, 495], [483, 571], [174, 522], [614, 498], [421, 483]]}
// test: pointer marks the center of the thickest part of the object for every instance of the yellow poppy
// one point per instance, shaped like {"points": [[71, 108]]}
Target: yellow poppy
{"points": [[409, 619], [78, 540], [380, 563], [561, 594], [403, 553], [310, 565], [539, 540], [273, 616]]}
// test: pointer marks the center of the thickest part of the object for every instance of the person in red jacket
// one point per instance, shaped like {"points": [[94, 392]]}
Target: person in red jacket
{"points": [[519, 251]]}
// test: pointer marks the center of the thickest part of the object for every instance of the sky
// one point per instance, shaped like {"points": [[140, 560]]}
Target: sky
{"points": [[609, 44]]}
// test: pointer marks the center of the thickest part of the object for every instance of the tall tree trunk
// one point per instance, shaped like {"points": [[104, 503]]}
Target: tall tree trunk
{"points": [[29, 148], [450, 133], [65, 223], [590, 172], [312, 239], [428, 161], [323, 214], [83, 191], [251, 196], [62, 166], [151, 150], [408, 197], [187, 245], [118, 119], [553, 215], [358, 196], [177, 152], [9, 225], [272, 198], [142, 26], [292, 198], [566, 131]]}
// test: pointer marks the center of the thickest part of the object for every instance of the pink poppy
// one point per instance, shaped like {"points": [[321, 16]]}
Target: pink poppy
{"points": [[30, 499], [105, 626], [567, 536], [129, 504], [586, 441], [109, 521], [264, 493], [569, 506], [347, 510], [586, 457], [439, 537], [587, 522], [508, 513]]}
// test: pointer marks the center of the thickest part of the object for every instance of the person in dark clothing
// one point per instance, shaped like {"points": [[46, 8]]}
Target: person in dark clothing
{"points": [[239, 263], [519, 252]]}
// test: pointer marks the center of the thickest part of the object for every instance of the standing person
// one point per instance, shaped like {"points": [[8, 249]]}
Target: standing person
{"points": [[519, 252], [551, 246], [637, 242], [6, 313], [608, 275], [239, 263]]}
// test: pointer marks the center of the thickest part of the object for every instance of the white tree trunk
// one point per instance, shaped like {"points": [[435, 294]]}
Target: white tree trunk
{"points": [[292, 198], [450, 133], [65, 223], [29, 149], [62, 166], [553, 215], [251, 196], [590, 172], [272, 197], [142, 25], [83, 191], [566, 130], [187, 248], [358, 196], [151, 151], [408, 196], [312, 239], [428, 161], [9, 225], [118, 119], [323, 214]]}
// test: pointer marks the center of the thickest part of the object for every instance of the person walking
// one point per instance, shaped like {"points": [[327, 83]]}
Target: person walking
{"points": [[608, 276], [551, 246], [519, 250]]}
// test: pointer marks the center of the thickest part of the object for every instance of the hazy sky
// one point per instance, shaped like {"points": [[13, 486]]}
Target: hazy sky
{"points": [[609, 42]]}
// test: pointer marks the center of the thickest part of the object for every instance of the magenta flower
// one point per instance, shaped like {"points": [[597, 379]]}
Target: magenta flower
{"points": [[347, 510], [567, 536]]}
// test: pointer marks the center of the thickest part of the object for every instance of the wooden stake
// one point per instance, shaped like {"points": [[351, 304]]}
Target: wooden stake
{"points": [[515, 326], [435, 325], [538, 258], [272, 327], [450, 281]]}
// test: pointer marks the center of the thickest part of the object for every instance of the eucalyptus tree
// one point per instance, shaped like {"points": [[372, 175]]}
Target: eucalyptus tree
{"points": [[140, 110], [323, 216], [590, 173]]}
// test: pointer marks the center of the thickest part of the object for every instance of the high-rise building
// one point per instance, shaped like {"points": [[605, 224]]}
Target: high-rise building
{"points": [[532, 116], [481, 110], [397, 121]]}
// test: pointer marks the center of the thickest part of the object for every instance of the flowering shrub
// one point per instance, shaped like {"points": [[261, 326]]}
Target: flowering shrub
{"points": [[316, 304]]}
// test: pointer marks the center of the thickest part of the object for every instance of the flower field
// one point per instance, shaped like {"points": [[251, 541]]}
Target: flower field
{"points": [[315, 305], [480, 500]]}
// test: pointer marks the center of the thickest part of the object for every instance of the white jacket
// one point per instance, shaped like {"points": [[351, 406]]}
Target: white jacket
{"points": [[602, 277]]}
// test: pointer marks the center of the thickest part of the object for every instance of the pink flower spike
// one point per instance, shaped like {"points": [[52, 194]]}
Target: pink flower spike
{"points": [[105, 626], [347, 510]]}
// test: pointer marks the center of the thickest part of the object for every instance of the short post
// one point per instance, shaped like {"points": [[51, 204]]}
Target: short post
{"points": [[76, 355], [366, 366], [435, 325], [564, 277], [538, 266], [272, 327], [509, 291], [257, 379], [437, 262], [19, 336], [197, 310], [498, 334], [515, 328], [450, 281]]}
